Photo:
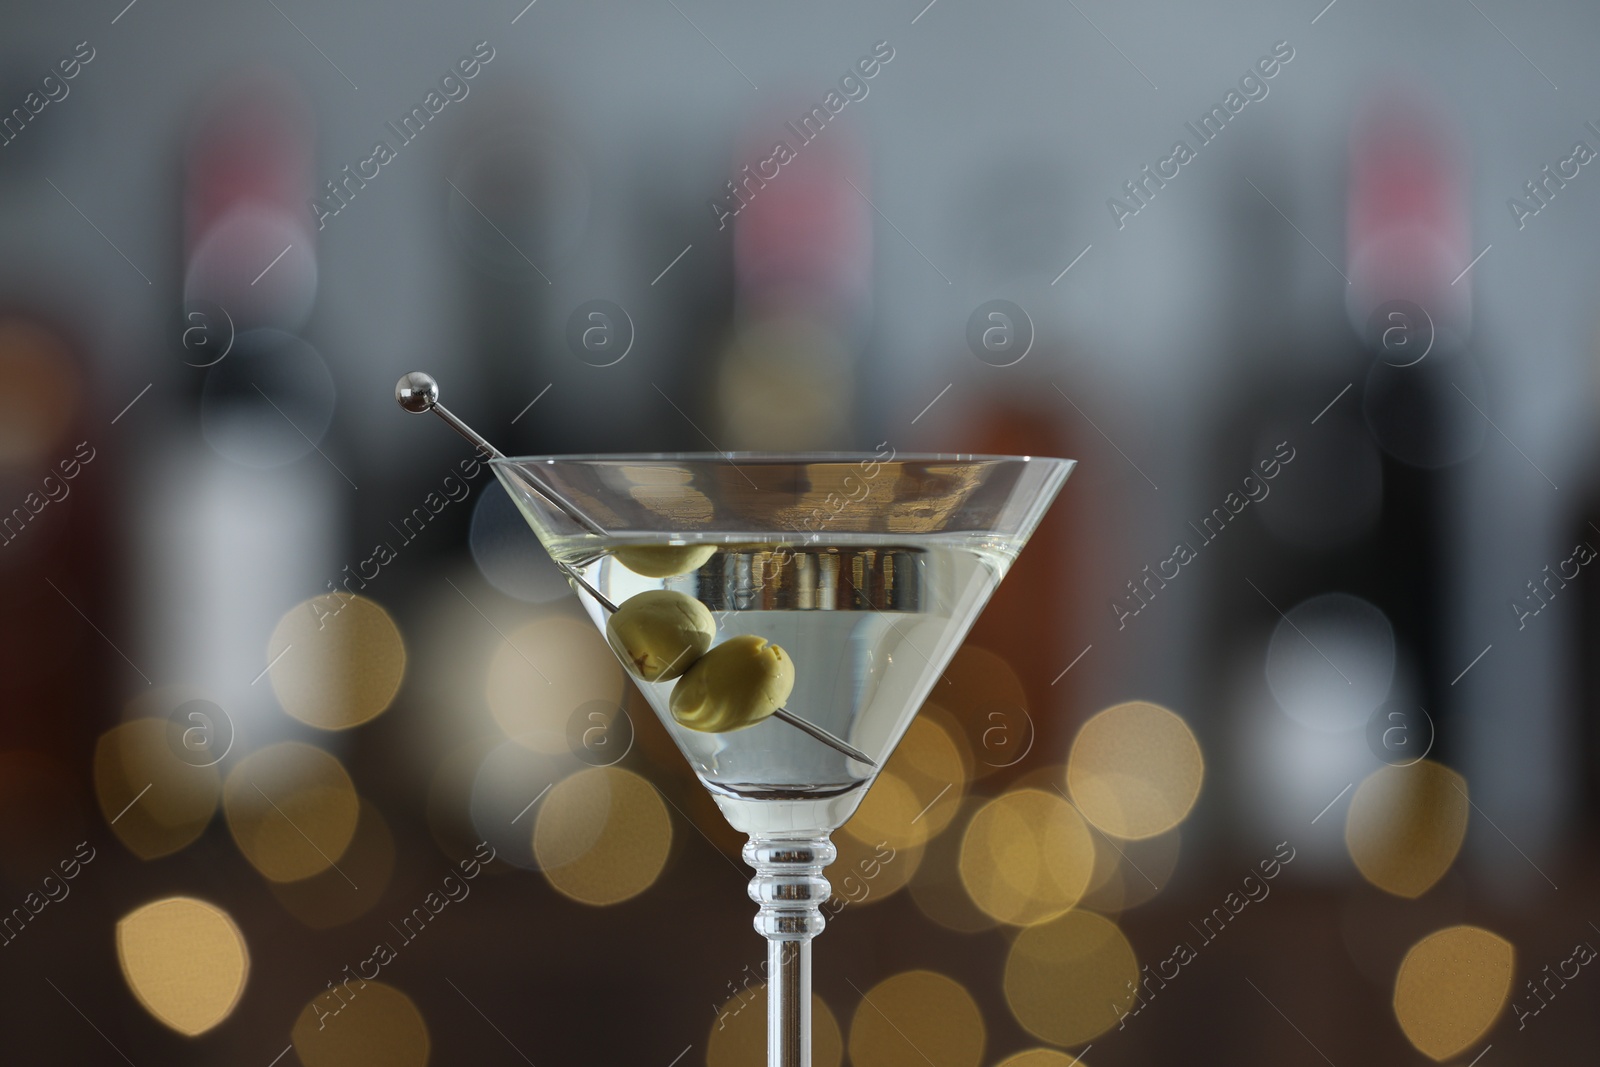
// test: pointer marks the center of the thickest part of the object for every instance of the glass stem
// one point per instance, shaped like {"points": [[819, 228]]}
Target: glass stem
{"points": [[790, 889]]}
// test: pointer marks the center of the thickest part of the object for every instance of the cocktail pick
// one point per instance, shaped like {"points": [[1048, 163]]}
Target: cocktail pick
{"points": [[418, 392]]}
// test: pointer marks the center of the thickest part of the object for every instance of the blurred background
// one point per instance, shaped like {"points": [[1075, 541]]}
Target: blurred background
{"points": [[1277, 745]]}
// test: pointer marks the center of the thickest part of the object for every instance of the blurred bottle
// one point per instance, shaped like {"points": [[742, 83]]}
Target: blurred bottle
{"points": [[1409, 237], [1456, 537], [786, 377], [1284, 522], [1329, 506], [249, 244], [236, 523], [57, 478]]}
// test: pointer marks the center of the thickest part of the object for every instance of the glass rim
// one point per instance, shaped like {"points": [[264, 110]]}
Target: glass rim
{"points": [[733, 458]]}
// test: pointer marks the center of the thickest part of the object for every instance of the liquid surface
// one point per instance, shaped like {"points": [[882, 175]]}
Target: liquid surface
{"points": [[869, 627]]}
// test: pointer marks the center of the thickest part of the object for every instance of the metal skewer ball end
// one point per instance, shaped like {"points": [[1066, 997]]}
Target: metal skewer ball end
{"points": [[418, 392]]}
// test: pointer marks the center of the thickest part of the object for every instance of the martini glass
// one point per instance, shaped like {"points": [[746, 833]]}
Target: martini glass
{"points": [[866, 569]]}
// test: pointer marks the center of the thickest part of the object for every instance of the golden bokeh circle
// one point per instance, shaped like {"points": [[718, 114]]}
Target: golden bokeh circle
{"points": [[868, 873], [977, 677], [153, 801], [1066, 980], [1135, 770], [1026, 857], [1041, 1057], [940, 717], [738, 1035], [292, 810], [976, 685], [1405, 826], [602, 835], [935, 766], [888, 813], [542, 673], [579, 820], [336, 661], [185, 961], [336, 897], [367, 1024], [1451, 987], [908, 1018]]}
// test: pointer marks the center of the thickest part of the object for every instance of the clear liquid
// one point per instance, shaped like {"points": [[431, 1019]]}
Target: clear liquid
{"points": [[869, 627]]}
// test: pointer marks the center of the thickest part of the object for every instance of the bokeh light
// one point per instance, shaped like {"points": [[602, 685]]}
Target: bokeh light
{"points": [[866, 873], [602, 836], [914, 1019], [326, 900], [155, 802], [543, 672], [224, 266], [1330, 661], [292, 810], [1135, 770], [269, 403], [508, 779], [935, 766], [185, 961], [1451, 987], [1405, 826], [1066, 980], [889, 813], [508, 554], [738, 1037], [337, 661], [1026, 857], [377, 1026], [985, 696], [1041, 1057], [941, 717], [1288, 768]]}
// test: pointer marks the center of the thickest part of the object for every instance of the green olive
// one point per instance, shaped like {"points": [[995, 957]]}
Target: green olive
{"points": [[659, 634], [663, 561], [737, 684]]}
